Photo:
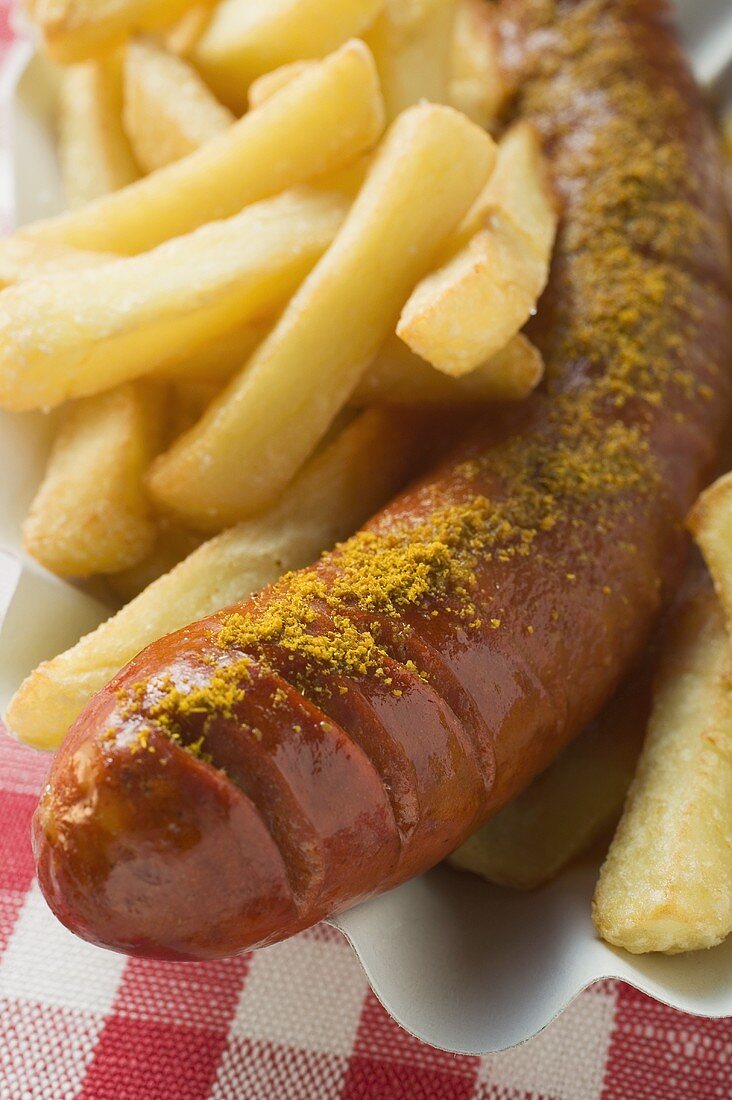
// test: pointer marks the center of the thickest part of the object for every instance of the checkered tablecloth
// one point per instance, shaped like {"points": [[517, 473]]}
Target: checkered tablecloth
{"points": [[294, 1022]]}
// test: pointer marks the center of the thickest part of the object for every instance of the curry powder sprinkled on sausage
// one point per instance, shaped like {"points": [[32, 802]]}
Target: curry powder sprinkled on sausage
{"points": [[619, 356]]}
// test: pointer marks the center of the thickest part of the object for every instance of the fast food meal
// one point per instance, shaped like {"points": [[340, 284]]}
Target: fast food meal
{"points": [[390, 343]]}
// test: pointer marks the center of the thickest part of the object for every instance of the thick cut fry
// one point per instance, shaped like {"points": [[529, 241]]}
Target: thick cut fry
{"points": [[471, 306], [710, 522], [667, 882], [570, 806], [22, 259], [476, 85], [246, 38], [74, 30], [168, 110], [94, 151], [267, 85], [254, 438], [73, 335], [340, 488], [91, 513], [399, 377], [321, 121], [411, 42]]}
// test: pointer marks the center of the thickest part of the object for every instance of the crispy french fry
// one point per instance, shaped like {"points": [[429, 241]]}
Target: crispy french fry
{"points": [[339, 488], [74, 30], [91, 513], [666, 884], [73, 335], [246, 38], [168, 110], [185, 32], [476, 84], [471, 306], [519, 190], [94, 151], [570, 806], [254, 438], [267, 85], [22, 259], [399, 377], [411, 42], [710, 522], [321, 121]]}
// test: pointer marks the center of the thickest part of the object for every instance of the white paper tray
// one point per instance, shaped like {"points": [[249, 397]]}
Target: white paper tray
{"points": [[464, 966]]}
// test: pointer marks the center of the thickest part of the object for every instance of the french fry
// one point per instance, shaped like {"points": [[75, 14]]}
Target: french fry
{"points": [[476, 86], [471, 306], [168, 110], [246, 38], [339, 488], [666, 884], [91, 513], [320, 122], [569, 806], [254, 438], [189, 402], [411, 43], [67, 336], [185, 32], [710, 522], [94, 151], [74, 30], [22, 259], [399, 377], [267, 85]]}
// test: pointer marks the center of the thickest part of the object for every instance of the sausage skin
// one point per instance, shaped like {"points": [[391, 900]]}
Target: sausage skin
{"points": [[350, 726]]}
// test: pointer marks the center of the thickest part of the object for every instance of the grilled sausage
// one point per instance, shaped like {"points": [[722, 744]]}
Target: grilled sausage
{"points": [[348, 727]]}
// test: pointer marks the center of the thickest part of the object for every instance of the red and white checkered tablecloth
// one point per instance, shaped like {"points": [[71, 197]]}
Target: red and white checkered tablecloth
{"points": [[294, 1022]]}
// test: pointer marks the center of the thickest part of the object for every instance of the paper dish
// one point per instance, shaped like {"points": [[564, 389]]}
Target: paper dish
{"points": [[462, 965]]}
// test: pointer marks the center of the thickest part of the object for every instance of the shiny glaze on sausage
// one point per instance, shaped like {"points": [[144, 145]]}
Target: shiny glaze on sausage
{"points": [[260, 818]]}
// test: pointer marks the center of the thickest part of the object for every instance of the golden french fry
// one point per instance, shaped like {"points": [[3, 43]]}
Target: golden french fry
{"points": [[519, 189], [666, 884], [321, 121], [399, 377], [168, 110], [246, 38], [73, 335], [94, 151], [74, 30], [22, 259], [267, 85], [569, 806], [710, 522], [477, 86], [486, 290], [185, 32], [339, 488], [254, 438], [92, 513], [411, 42]]}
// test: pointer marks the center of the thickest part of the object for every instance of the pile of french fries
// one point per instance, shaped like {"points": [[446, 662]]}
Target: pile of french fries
{"points": [[291, 246]]}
